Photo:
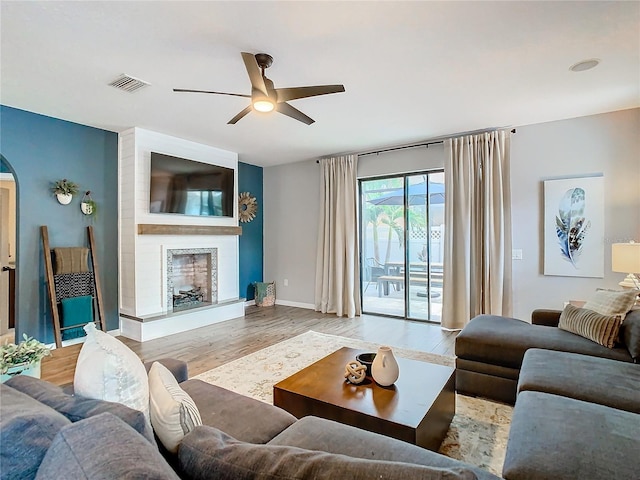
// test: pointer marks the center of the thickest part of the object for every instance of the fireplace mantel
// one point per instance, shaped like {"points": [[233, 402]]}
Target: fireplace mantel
{"points": [[155, 229]]}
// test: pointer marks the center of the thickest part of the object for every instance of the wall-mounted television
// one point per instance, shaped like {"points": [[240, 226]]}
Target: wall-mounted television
{"points": [[187, 187]]}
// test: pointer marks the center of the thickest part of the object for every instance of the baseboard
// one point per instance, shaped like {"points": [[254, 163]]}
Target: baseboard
{"points": [[287, 303]]}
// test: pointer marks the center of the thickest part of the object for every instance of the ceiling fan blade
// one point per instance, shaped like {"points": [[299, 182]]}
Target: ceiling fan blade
{"points": [[255, 75], [286, 94], [292, 112], [240, 115], [207, 91]]}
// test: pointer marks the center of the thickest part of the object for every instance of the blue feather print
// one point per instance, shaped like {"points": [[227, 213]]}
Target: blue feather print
{"points": [[571, 225]]}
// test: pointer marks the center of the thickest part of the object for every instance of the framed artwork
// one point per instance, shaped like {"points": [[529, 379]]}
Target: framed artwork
{"points": [[574, 227]]}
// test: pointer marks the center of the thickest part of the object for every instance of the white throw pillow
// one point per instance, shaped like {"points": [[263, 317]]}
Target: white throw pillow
{"points": [[109, 370], [612, 302], [173, 412]]}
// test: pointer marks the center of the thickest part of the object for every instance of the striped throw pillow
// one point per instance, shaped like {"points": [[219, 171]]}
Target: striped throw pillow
{"points": [[602, 329], [173, 412], [612, 302]]}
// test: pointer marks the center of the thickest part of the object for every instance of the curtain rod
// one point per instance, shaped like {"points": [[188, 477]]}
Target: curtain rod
{"points": [[426, 144]]}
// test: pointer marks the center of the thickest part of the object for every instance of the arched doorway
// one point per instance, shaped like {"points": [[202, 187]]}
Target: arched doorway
{"points": [[8, 250]]}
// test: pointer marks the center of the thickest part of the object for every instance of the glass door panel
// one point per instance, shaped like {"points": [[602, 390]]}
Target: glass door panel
{"points": [[382, 248], [425, 221]]}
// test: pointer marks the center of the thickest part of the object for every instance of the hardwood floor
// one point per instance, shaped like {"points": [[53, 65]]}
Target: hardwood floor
{"points": [[215, 345]]}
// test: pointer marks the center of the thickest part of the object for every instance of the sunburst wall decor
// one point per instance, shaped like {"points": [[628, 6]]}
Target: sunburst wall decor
{"points": [[247, 207]]}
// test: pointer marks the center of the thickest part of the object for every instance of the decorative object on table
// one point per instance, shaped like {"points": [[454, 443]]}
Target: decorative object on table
{"points": [[88, 206], [355, 372], [366, 359], [247, 207], [265, 293], [384, 369], [64, 190], [625, 258], [23, 358], [574, 227]]}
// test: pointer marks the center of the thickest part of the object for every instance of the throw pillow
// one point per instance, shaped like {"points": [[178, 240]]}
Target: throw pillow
{"points": [[108, 370], [612, 302], [602, 329], [207, 450], [173, 412], [102, 447]]}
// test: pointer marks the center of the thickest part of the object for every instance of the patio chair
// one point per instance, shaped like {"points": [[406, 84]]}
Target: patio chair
{"points": [[373, 270]]}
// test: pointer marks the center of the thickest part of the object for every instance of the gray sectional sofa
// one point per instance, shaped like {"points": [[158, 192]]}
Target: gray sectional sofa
{"points": [[47, 433], [577, 403]]}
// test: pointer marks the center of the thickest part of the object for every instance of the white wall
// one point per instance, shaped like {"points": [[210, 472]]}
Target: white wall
{"points": [[607, 144], [291, 209]]}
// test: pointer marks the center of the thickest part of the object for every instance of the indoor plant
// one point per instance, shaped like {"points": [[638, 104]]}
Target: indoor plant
{"points": [[64, 190], [88, 205], [22, 359]]}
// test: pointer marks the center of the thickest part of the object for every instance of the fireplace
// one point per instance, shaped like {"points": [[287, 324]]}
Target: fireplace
{"points": [[192, 278]]}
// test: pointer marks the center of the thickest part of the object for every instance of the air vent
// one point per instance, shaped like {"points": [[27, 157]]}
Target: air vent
{"points": [[128, 84]]}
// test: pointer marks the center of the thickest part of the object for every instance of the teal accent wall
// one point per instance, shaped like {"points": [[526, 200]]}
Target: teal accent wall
{"points": [[41, 150], [250, 179]]}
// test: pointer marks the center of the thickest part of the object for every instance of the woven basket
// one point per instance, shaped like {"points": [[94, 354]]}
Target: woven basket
{"points": [[265, 294]]}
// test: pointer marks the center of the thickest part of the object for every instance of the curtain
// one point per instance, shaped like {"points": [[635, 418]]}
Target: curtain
{"points": [[337, 267], [477, 242]]}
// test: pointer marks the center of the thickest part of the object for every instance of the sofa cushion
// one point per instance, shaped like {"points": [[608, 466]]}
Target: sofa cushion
{"points": [[612, 302], [219, 407], [630, 333], [503, 341], [592, 379], [27, 428], [561, 438], [173, 412], [76, 408], [602, 329], [108, 370], [102, 447], [313, 433], [207, 453]]}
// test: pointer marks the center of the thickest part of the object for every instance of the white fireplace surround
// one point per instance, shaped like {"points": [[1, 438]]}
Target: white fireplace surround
{"points": [[143, 289]]}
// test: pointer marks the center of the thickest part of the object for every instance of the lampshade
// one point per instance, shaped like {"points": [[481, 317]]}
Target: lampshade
{"points": [[625, 258]]}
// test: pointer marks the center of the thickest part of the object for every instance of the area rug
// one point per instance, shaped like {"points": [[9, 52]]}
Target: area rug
{"points": [[478, 432]]}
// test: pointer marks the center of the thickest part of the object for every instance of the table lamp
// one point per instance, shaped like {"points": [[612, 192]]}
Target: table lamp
{"points": [[625, 258]]}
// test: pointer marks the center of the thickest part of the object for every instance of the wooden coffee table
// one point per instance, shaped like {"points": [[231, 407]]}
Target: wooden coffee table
{"points": [[418, 408]]}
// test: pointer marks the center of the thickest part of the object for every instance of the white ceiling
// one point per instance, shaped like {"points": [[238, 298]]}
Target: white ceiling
{"points": [[412, 70]]}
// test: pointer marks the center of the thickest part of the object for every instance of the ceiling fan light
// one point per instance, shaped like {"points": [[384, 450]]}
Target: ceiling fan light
{"points": [[263, 105]]}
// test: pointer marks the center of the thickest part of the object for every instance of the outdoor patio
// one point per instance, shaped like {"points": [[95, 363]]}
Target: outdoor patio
{"points": [[393, 304]]}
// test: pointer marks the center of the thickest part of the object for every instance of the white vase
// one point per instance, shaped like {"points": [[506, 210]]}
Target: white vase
{"points": [[385, 370], [30, 369], [64, 198]]}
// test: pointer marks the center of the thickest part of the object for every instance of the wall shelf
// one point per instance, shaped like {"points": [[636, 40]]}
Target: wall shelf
{"points": [[155, 229]]}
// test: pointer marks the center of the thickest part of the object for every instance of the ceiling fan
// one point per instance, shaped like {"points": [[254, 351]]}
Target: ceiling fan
{"points": [[264, 97]]}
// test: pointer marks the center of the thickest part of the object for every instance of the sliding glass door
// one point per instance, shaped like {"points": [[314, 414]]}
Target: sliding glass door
{"points": [[402, 223]]}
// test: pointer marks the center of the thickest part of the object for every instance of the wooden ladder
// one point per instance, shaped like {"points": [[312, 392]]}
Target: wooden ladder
{"points": [[51, 286]]}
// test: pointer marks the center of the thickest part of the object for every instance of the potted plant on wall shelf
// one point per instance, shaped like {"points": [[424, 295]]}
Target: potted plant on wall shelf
{"points": [[88, 204], [64, 190], [22, 359]]}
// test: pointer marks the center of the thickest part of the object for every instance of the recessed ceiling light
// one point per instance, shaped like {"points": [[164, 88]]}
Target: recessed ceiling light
{"points": [[584, 65]]}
